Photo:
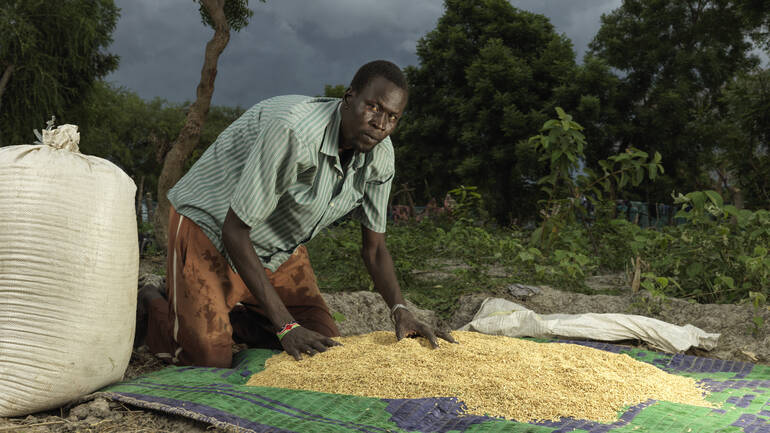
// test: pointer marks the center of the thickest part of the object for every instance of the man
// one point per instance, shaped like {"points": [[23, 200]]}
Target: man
{"points": [[287, 168]]}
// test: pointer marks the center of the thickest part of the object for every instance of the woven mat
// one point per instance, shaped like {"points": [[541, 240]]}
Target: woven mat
{"points": [[220, 397]]}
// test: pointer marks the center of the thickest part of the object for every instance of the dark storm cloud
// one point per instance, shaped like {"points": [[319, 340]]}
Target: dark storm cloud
{"points": [[294, 46], [298, 47], [161, 48]]}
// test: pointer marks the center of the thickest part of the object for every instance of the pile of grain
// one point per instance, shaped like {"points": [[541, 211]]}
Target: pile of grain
{"points": [[496, 376]]}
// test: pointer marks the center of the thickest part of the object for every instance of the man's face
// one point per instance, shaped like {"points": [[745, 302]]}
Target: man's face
{"points": [[370, 115]]}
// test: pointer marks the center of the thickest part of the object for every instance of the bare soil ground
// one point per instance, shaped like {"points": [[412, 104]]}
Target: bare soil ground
{"points": [[366, 312]]}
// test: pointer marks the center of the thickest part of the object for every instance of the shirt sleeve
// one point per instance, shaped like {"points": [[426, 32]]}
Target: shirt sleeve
{"points": [[373, 212], [269, 170]]}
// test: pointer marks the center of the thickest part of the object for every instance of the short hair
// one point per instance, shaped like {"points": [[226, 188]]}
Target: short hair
{"points": [[379, 68]]}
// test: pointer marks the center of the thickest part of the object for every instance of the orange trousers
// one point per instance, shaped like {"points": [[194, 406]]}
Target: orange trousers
{"points": [[208, 307]]}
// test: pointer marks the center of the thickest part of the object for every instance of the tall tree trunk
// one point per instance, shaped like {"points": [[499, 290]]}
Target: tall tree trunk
{"points": [[173, 163], [3, 84], [5, 79], [727, 180], [150, 206], [139, 196]]}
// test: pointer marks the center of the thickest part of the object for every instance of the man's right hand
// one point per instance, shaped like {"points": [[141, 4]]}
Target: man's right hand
{"points": [[302, 340]]}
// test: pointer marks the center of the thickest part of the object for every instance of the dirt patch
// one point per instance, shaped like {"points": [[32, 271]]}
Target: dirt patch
{"points": [[363, 312], [733, 322]]}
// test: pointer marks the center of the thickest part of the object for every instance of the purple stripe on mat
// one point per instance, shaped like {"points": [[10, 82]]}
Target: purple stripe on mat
{"points": [[566, 425], [752, 424], [746, 400], [441, 415], [200, 412], [249, 397], [431, 415], [679, 362], [228, 373], [765, 411], [695, 364], [720, 386]]}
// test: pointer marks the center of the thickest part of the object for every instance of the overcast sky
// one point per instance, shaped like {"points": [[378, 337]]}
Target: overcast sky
{"points": [[294, 46]]}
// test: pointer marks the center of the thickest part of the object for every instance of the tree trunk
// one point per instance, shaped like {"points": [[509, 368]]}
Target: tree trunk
{"points": [[3, 83], [5, 79], [726, 180], [139, 196], [150, 207], [189, 136]]}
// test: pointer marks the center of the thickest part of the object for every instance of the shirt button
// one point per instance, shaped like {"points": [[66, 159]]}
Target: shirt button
{"points": [[339, 176], [331, 204]]}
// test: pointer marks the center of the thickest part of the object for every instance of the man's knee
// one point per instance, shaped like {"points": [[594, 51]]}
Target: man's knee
{"points": [[209, 351]]}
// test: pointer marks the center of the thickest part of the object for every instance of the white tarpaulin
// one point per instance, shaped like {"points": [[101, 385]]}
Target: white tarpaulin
{"points": [[502, 317]]}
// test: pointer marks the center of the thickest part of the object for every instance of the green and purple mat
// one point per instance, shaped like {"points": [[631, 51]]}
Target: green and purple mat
{"points": [[220, 397]]}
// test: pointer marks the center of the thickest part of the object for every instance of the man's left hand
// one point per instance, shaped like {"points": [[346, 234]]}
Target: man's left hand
{"points": [[409, 326]]}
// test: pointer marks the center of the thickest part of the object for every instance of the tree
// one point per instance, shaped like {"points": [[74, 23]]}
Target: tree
{"points": [[117, 125], [51, 54], [485, 84], [337, 91], [217, 120], [674, 58], [221, 15], [745, 158], [757, 16], [591, 94]]}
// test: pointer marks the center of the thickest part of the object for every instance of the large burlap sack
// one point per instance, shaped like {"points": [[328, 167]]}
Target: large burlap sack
{"points": [[68, 273]]}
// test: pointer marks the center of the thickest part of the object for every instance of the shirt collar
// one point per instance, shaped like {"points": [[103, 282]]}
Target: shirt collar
{"points": [[331, 144]]}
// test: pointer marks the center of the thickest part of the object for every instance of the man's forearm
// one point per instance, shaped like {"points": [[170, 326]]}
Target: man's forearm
{"points": [[379, 263], [249, 267]]}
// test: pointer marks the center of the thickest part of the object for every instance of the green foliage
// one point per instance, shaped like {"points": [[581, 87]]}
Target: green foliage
{"points": [[487, 73], [561, 144], [652, 301], [436, 262], [337, 91], [468, 204], [756, 14], [717, 253], [54, 52], [675, 58], [758, 301], [593, 95], [745, 133], [116, 124], [701, 207], [147, 245], [237, 13]]}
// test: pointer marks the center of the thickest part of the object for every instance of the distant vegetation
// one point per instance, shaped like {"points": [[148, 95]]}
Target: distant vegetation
{"points": [[669, 105]]}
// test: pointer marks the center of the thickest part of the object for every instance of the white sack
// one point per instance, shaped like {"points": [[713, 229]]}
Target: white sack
{"points": [[68, 273], [501, 317]]}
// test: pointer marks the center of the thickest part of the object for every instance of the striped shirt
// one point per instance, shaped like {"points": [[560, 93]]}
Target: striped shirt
{"points": [[277, 167]]}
